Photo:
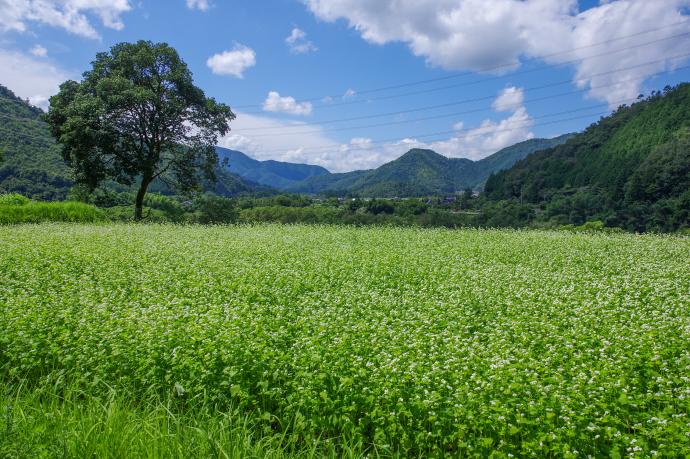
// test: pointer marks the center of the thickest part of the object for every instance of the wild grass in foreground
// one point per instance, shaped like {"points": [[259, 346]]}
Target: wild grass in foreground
{"points": [[399, 341], [49, 423]]}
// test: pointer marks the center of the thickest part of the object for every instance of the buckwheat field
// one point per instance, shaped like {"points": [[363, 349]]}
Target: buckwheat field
{"points": [[398, 341]]}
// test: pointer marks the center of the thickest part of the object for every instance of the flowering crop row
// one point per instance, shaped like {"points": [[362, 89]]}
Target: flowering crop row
{"points": [[416, 341]]}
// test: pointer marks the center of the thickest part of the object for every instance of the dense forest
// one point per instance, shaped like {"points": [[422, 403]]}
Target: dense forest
{"points": [[630, 169]]}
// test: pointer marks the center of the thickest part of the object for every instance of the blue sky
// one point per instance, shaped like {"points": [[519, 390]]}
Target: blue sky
{"points": [[504, 70]]}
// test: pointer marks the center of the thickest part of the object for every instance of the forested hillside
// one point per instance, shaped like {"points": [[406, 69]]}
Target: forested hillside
{"points": [[630, 169], [32, 163]]}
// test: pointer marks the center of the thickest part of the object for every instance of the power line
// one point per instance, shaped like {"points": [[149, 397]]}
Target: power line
{"points": [[494, 78], [444, 133], [487, 69], [456, 131], [466, 101], [454, 114]]}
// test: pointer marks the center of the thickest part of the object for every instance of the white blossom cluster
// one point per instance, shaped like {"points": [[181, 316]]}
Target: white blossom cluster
{"points": [[420, 342]]}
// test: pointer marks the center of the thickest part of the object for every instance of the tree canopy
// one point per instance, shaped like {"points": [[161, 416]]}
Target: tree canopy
{"points": [[136, 117]]}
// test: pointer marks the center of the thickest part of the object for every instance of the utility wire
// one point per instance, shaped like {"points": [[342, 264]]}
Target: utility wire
{"points": [[487, 69], [478, 130], [454, 114], [488, 79], [466, 101]]}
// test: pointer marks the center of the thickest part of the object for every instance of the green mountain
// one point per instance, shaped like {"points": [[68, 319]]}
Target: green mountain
{"points": [[33, 165], [630, 169], [275, 174], [423, 173]]}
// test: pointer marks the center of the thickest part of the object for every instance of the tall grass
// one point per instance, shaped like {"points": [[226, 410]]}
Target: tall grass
{"points": [[49, 422], [15, 208]]}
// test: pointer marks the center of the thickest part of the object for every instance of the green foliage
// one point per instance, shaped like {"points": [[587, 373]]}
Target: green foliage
{"points": [[137, 117], [630, 169], [34, 167], [13, 199], [412, 342], [38, 212], [282, 214], [49, 422], [215, 210]]}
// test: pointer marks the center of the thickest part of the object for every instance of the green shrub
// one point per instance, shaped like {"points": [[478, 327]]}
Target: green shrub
{"points": [[215, 209], [13, 199]]}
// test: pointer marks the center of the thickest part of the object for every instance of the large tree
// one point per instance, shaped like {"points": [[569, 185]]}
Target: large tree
{"points": [[136, 117]]}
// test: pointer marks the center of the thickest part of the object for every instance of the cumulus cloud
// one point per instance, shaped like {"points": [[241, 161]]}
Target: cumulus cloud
{"points": [[31, 78], [39, 51], [201, 5], [509, 98], [71, 15], [483, 35], [491, 136], [298, 44], [233, 62], [275, 103]]}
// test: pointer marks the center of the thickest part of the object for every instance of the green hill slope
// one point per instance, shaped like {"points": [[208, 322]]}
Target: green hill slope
{"points": [[32, 163], [629, 169]]}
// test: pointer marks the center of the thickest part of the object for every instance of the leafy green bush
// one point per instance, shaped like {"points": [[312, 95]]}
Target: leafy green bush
{"points": [[213, 209], [13, 199]]}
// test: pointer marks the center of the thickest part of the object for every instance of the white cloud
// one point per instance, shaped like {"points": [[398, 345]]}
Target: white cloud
{"points": [[509, 98], [39, 51], [488, 138], [298, 43], [484, 34], [349, 93], [71, 15], [275, 103], [30, 78], [233, 62], [201, 5]]}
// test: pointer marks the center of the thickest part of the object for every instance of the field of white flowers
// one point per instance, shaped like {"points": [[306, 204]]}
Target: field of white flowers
{"points": [[415, 341]]}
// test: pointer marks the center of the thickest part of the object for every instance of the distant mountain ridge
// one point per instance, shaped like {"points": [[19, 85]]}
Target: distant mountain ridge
{"points": [[422, 172], [276, 174]]}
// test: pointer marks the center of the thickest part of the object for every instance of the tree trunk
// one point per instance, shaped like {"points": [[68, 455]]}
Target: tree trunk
{"points": [[139, 202]]}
